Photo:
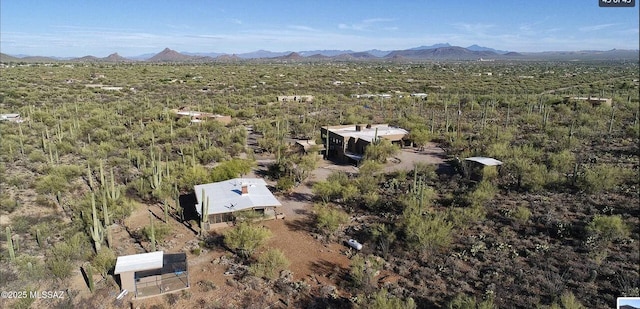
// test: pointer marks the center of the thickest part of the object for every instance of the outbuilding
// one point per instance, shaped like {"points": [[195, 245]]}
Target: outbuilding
{"points": [[153, 273], [476, 167]]}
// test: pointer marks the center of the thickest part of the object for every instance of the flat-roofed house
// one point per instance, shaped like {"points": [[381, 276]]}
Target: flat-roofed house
{"points": [[11, 117], [295, 98], [349, 142], [153, 273], [594, 101], [222, 199], [196, 116]]}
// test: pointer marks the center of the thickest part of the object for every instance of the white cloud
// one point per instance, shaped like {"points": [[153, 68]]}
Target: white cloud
{"points": [[364, 25], [596, 27]]}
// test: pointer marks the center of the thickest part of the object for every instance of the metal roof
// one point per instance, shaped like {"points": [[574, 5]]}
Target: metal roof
{"points": [[139, 262], [368, 134], [226, 196], [484, 161]]}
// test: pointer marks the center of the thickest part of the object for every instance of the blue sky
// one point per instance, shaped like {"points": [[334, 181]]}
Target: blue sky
{"points": [[74, 28]]}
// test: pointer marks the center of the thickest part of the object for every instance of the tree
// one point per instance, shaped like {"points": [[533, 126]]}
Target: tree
{"points": [[269, 264], [329, 219], [420, 138], [426, 232], [246, 238], [379, 150]]}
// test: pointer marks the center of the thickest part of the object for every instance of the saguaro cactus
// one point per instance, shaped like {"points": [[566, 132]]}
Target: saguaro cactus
{"points": [[112, 191], [39, 239], [204, 218], [97, 233], [89, 271], [12, 253]]}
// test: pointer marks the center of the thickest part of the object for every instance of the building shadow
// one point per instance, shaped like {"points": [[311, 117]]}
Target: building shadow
{"points": [[189, 214]]}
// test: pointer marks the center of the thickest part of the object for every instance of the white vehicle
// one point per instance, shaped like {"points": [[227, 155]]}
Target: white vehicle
{"points": [[354, 244]]}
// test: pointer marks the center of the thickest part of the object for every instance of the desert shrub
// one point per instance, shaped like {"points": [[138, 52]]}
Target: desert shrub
{"points": [[363, 271], [285, 184], [50, 184], [37, 156], [246, 238], [567, 301], [172, 299], [327, 190], [76, 247], [231, 169], [211, 154], [60, 267], [484, 192], [31, 268], [8, 204], [521, 214], [462, 301], [104, 261], [426, 232], [161, 230], [562, 162], [24, 303], [189, 176], [608, 228], [465, 217], [329, 219], [382, 299], [489, 173], [269, 264], [601, 178]]}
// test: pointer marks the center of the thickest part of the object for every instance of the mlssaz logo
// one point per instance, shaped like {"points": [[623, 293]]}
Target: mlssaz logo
{"points": [[47, 294]]}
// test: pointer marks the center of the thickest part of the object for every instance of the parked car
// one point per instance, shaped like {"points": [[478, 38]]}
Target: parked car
{"points": [[354, 244]]}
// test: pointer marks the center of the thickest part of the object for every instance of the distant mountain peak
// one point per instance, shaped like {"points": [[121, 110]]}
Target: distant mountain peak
{"points": [[439, 45], [169, 55]]}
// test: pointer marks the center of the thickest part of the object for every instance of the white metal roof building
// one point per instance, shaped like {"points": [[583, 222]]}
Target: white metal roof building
{"points": [[484, 161], [139, 262], [368, 133], [153, 273], [234, 195]]}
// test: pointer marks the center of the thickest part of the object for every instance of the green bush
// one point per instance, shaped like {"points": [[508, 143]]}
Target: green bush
{"points": [[161, 230], [427, 232], [462, 301], [285, 184], [484, 192], [608, 228], [246, 238], [364, 270], [465, 217], [601, 178], [382, 299], [104, 261], [269, 264], [50, 184], [521, 214], [60, 267], [329, 219]]}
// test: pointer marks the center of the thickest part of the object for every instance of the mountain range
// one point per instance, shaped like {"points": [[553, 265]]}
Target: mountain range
{"points": [[442, 51]]}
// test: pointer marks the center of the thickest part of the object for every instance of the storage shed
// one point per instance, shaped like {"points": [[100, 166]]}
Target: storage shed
{"points": [[153, 273], [474, 167]]}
